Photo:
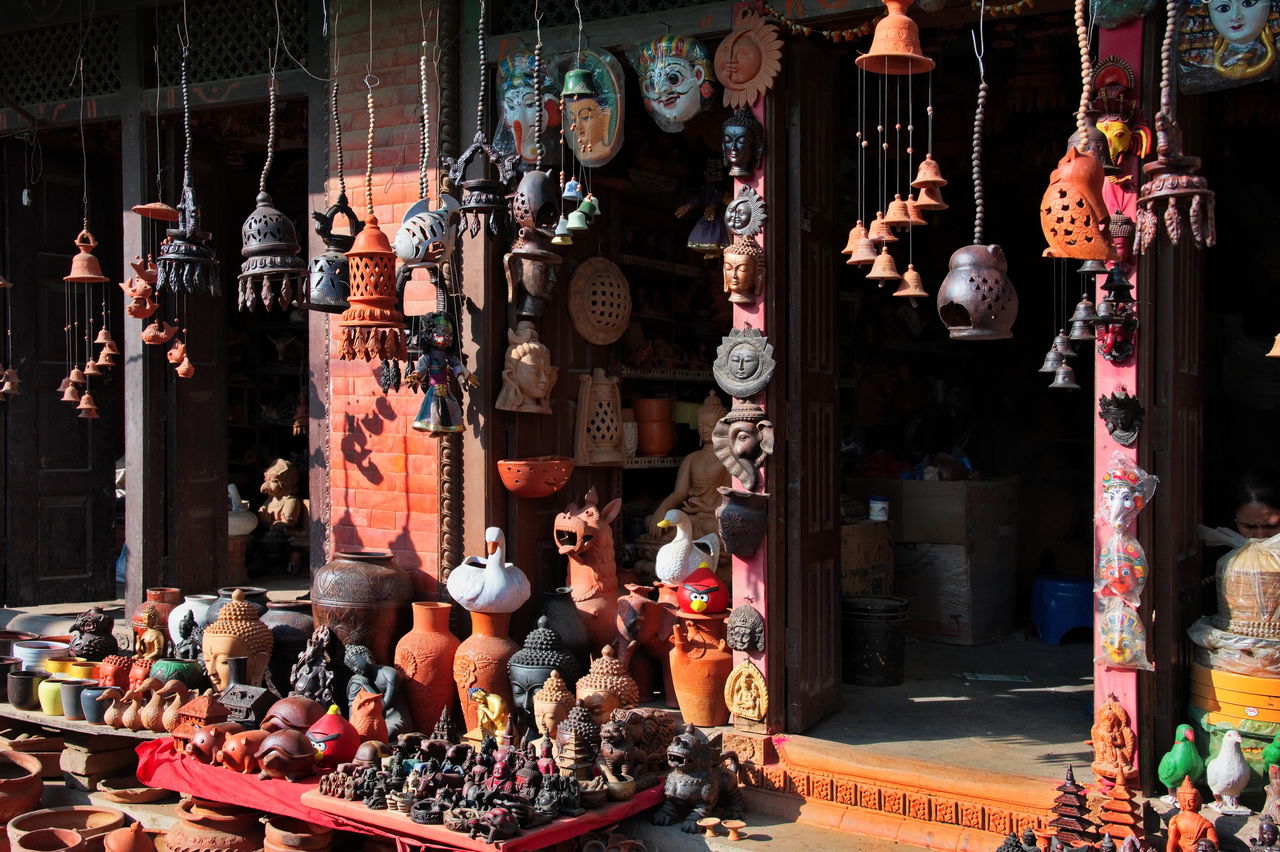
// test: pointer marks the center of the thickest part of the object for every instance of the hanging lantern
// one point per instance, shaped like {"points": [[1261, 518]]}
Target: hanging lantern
{"points": [[1073, 215], [329, 272], [897, 216], [912, 286], [895, 46], [1052, 361], [913, 213], [884, 269], [269, 243], [1173, 182], [428, 238], [930, 199], [1064, 378], [187, 263], [977, 300], [85, 268], [372, 327]]}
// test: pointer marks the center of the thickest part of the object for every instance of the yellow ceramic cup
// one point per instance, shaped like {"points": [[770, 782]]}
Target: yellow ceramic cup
{"points": [[84, 670], [50, 692], [60, 665]]}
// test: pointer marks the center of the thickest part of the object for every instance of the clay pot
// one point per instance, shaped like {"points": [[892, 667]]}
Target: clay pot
{"points": [[24, 688], [49, 693], [88, 821], [209, 826], [60, 665], [255, 595], [20, 783], [622, 789], [7, 664], [92, 710], [657, 437], [195, 604], [425, 656], [8, 637], [700, 667], [291, 625], [539, 476], [562, 615], [185, 671], [72, 689], [362, 596], [289, 833], [164, 599], [131, 839], [743, 519], [114, 671], [652, 410], [481, 660], [84, 670], [35, 652], [51, 840]]}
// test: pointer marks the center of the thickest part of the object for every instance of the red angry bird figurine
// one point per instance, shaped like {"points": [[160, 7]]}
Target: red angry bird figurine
{"points": [[702, 593], [334, 738]]}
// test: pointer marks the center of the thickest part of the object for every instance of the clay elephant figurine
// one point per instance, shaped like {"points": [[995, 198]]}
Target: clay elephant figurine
{"points": [[646, 624]]}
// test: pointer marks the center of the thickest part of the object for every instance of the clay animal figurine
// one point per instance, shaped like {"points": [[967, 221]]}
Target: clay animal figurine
{"points": [[702, 781], [154, 334], [585, 535], [140, 289], [334, 738], [1180, 761], [1187, 828], [647, 624], [208, 740], [238, 751], [1228, 775], [297, 712], [286, 754]]}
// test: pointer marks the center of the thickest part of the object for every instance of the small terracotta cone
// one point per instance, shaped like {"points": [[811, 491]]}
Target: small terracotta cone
{"points": [[157, 210], [930, 199], [913, 211], [897, 216], [929, 174], [884, 269], [879, 233], [71, 393], [864, 253], [91, 369], [1275, 348], [856, 233], [912, 286], [77, 376]]}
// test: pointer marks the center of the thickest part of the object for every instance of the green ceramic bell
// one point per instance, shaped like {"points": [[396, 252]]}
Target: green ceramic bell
{"points": [[577, 83], [578, 221], [589, 207]]}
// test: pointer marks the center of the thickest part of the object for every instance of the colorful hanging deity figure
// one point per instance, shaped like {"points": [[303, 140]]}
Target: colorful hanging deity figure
{"points": [[675, 79], [518, 96], [1119, 118], [437, 368], [594, 101], [1226, 43]]}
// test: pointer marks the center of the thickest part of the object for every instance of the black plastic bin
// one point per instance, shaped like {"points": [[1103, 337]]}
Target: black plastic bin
{"points": [[874, 631]]}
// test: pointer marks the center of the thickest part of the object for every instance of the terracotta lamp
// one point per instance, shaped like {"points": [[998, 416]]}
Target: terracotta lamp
{"points": [[238, 632]]}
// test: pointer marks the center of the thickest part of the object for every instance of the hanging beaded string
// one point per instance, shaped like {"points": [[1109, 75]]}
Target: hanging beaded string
{"points": [[1166, 78], [911, 149], [1003, 9], [897, 132], [370, 80], [979, 114], [836, 36], [337, 136], [424, 142], [882, 131], [537, 89], [928, 111], [271, 129], [862, 146], [1086, 76], [483, 97]]}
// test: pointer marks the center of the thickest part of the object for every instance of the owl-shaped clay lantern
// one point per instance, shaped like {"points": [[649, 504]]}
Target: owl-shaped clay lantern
{"points": [[1073, 215], [238, 632]]}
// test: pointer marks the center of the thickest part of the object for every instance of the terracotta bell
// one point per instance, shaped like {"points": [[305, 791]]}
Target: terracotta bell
{"points": [[86, 402], [373, 326], [272, 272], [76, 375], [857, 232], [1275, 348], [156, 210], [929, 174], [91, 368], [11, 382], [1064, 378], [884, 268], [863, 254], [930, 199], [103, 336], [110, 348], [912, 286], [85, 268], [70, 393], [976, 300], [913, 212], [879, 233], [895, 47], [105, 359], [1052, 361], [329, 273], [897, 215], [1063, 344], [5, 283], [572, 190]]}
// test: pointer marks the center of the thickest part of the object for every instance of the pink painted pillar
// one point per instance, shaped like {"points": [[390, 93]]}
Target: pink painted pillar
{"points": [[1124, 42], [749, 574]]}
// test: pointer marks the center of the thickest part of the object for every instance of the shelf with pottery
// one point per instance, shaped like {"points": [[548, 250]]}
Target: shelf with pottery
{"points": [[666, 374], [61, 723]]}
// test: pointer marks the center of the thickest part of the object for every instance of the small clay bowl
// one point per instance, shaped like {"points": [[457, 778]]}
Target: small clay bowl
{"points": [[539, 476], [89, 821], [50, 840]]}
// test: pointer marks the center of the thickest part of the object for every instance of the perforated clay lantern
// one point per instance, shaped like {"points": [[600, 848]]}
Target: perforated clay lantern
{"points": [[372, 327]]}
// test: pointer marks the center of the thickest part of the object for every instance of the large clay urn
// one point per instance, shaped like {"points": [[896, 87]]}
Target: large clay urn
{"points": [[291, 625], [481, 661], [700, 666], [425, 656], [20, 784], [163, 599], [362, 596], [209, 826]]}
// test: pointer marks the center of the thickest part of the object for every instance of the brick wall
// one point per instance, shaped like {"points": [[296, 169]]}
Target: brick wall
{"points": [[383, 474]]}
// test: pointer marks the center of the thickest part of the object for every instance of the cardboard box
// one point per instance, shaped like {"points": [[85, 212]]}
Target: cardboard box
{"points": [[955, 555], [866, 559]]}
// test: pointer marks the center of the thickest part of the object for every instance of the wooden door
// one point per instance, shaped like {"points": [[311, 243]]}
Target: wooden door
{"points": [[812, 500], [59, 494]]}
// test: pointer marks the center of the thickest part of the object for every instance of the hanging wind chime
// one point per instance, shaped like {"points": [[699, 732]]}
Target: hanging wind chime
{"points": [[977, 300], [157, 210], [8, 375], [329, 274], [273, 270]]}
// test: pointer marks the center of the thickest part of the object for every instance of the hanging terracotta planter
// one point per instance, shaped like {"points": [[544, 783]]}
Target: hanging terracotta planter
{"points": [[539, 476], [743, 518]]}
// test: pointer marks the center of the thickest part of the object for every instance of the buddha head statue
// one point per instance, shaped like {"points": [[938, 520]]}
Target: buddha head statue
{"points": [[551, 704], [607, 686], [238, 632], [742, 143], [709, 413], [527, 374], [743, 270], [542, 655], [1188, 796]]}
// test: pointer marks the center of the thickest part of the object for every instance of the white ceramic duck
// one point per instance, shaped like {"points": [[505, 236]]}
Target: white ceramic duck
{"points": [[1228, 775], [706, 553], [677, 558], [490, 584]]}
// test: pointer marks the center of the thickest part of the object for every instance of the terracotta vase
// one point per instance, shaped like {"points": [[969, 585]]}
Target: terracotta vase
{"points": [[481, 660], [207, 826], [700, 666], [20, 783], [562, 615], [291, 625], [362, 597], [743, 518], [289, 833], [657, 437], [50, 840], [255, 595], [164, 599], [89, 821], [425, 655]]}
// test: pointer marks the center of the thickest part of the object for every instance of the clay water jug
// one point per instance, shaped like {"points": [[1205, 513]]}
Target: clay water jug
{"points": [[291, 625], [700, 666], [425, 655], [481, 661]]}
